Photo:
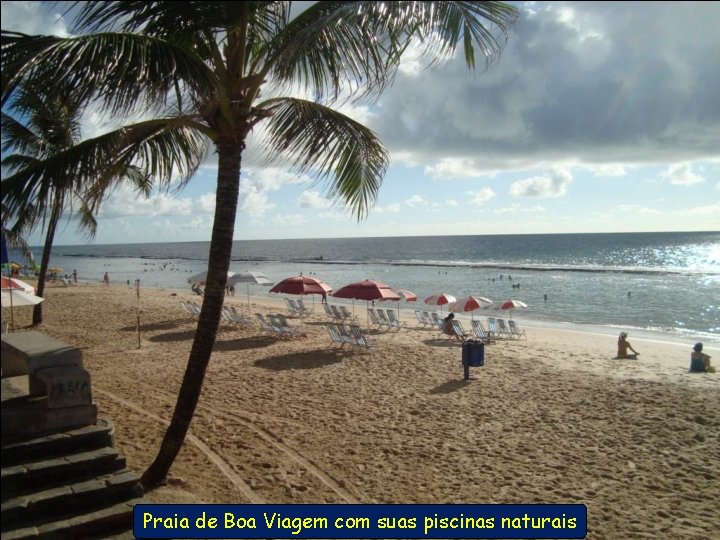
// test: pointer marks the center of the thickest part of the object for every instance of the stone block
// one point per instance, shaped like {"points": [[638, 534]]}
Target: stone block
{"points": [[66, 386], [25, 353]]}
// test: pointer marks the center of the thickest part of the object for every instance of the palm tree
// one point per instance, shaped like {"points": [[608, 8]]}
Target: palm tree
{"points": [[53, 170], [212, 59]]}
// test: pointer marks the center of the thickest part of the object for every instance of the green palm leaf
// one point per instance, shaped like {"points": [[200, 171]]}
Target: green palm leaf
{"points": [[326, 143]]}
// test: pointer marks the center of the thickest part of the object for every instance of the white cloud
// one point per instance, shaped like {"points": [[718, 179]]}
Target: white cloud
{"points": [[33, 18], [516, 208], [289, 220], [414, 201], [313, 199], [455, 168], [253, 200], [389, 208], [553, 185], [125, 202], [708, 210], [682, 174], [481, 196], [608, 170]]}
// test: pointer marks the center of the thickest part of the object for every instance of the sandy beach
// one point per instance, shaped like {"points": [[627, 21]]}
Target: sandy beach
{"points": [[553, 419]]}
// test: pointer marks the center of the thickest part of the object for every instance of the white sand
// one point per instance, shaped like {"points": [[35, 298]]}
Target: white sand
{"points": [[553, 419]]}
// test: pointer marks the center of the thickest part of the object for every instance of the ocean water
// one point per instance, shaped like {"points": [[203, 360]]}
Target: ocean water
{"points": [[666, 283]]}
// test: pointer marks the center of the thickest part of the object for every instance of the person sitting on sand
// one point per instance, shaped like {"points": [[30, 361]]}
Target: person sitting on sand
{"points": [[623, 346], [699, 361]]}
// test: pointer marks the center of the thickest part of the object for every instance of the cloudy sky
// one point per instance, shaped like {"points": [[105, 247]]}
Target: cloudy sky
{"points": [[599, 117]]}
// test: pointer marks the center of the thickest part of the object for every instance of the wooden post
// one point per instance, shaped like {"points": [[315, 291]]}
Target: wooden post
{"points": [[137, 290]]}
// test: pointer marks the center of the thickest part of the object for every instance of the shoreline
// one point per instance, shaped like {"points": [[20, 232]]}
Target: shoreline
{"points": [[553, 419]]}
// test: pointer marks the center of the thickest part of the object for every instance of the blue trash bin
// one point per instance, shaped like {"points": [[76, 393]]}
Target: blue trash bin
{"points": [[473, 353]]}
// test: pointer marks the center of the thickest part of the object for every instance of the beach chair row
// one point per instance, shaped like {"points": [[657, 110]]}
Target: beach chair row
{"points": [[497, 329], [297, 308], [341, 334], [277, 325], [193, 308], [500, 329], [339, 313], [385, 318], [231, 315]]}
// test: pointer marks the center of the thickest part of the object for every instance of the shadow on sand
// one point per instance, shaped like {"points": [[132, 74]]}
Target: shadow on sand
{"points": [[161, 325], [304, 360], [450, 386]]}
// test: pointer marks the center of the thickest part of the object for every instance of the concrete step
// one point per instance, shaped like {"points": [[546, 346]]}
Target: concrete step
{"points": [[53, 472], [70, 499], [115, 521], [19, 450]]}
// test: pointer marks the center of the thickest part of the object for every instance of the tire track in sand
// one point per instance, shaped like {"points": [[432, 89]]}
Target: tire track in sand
{"points": [[265, 434], [293, 454], [224, 467]]}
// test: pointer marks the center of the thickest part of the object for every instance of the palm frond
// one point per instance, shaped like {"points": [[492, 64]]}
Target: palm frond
{"points": [[16, 137], [342, 153], [125, 70], [162, 149], [336, 46]]}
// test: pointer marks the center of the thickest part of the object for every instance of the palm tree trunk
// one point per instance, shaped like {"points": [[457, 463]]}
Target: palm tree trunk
{"points": [[45, 262], [226, 199]]}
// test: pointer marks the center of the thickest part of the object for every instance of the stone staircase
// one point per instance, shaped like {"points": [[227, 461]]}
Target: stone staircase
{"points": [[71, 484], [62, 476]]}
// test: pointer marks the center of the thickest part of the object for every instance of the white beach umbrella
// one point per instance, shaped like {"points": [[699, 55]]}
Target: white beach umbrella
{"points": [[512, 304], [199, 279], [470, 303], [15, 297], [440, 300], [257, 278]]}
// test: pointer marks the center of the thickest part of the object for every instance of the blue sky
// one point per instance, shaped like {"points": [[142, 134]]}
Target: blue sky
{"points": [[598, 117]]}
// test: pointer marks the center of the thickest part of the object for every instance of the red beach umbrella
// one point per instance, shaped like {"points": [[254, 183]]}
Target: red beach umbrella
{"points": [[301, 285], [367, 290]]}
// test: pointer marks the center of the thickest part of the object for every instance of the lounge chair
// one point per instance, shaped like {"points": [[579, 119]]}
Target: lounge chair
{"points": [[290, 306], [460, 332], [374, 319], [281, 326], [334, 334], [295, 307], [438, 321], [494, 330], [360, 337], [516, 331], [330, 312], [346, 314], [422, 319], [303, 309], [230, 314], [480, 332], [338, 314], [504, 330], [393, 321], [382, 317]]}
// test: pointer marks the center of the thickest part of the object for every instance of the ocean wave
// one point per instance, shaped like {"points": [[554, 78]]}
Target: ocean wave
{"points": [[539, 267], [506, 266]]}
